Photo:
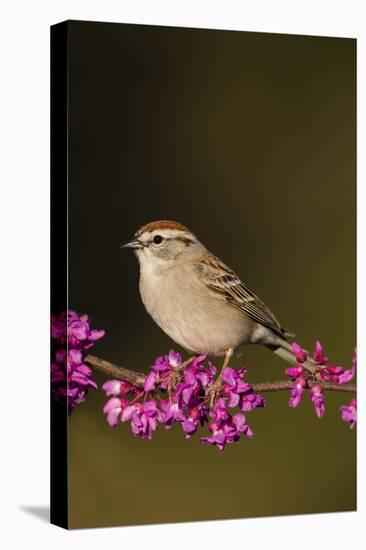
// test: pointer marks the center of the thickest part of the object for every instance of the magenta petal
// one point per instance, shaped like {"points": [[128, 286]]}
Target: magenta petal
{"points": [[324, 375], [316, 395], [190, 377], [113, 403], [187, 394], [346, 376], [96, 335], [294, 372], [300, 354], [152, 423], [249, 432], [84, 369], [318, 349], [242, 387], [174, 358], [112, 409], [349, 413], [204, 378], [318, 354], [334, 369], [149, 406], [113, 417], [246, 405], [189, 427], [238, 420], [79, 330], [75, 357], [229, 375], [150, 381], [112, 387], [196, 362], [135, 429], [127, 413], [296, 392], [234, 399]]}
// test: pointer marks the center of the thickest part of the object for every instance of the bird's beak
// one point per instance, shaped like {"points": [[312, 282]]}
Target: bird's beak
{"points": [[136, 244]]}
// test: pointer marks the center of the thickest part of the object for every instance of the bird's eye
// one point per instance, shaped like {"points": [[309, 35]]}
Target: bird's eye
{"points": [[158, 239]]}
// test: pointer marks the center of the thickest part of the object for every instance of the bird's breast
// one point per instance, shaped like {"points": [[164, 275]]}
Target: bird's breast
{"points": [[189, 313]]}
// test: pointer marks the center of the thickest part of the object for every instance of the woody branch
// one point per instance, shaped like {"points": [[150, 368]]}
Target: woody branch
{"points": [[138, 378]]}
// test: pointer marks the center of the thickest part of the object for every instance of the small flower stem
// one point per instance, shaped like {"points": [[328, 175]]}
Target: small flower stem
{"points": [[138, 397]]}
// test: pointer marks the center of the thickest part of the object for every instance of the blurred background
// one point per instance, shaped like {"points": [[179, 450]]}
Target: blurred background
{"points": [[249, 139]]}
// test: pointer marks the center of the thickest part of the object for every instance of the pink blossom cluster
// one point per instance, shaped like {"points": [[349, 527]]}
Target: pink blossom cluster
{"points": [[187, 395], [71, 378], [322, 371], [190, 393]]}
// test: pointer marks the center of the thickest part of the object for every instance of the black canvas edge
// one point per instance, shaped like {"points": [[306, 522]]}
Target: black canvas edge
{"points": [[59, 257], [212, 29]]}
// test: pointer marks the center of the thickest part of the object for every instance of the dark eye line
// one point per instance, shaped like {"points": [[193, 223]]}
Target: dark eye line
{"points": [[185, 240]]}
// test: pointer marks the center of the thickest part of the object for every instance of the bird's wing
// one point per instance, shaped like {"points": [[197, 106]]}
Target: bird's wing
{"points": [[225, 283]]}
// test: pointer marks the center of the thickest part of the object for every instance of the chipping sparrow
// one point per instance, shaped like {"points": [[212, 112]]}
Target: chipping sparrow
{"points": [[196, 299]]}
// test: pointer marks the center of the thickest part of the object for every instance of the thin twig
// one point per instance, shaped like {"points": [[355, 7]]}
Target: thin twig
{"points": [[114, 371], [288, 384], [138, 378]]}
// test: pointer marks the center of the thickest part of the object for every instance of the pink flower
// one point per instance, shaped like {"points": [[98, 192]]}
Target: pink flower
{"points": [[190, 394], [70, 337], [294, 372], [144, 417], [300, 354], [113, 409], [297, 391], [318, 354], [150, 381], [347, 375], [174, 358], [196, 416], [219, 411], [163, 367], [239, 392], [333, 373], [349, 413], [227, 431], [316, 395], [171, 412], [337, 374], [251, 400]]}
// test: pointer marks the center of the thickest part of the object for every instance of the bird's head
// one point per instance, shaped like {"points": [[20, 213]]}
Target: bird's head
{"points": [[164, 241]]}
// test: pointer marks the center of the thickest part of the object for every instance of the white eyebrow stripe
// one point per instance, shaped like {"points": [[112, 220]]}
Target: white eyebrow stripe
{"points": [[167, 234]]}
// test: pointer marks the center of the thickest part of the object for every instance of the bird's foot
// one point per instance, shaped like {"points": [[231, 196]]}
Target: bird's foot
{"points": [[176, 375], [214, 390]]}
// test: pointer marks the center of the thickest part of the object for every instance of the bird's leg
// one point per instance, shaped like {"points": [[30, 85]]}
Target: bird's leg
{"points": [[185, 363], [214, 389], [228, 356]]}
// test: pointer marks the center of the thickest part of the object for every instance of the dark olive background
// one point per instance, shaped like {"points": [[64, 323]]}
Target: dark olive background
{"points": [[249, 139]]}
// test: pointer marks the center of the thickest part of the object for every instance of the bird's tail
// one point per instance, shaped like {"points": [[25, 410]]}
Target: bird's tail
{"points": [[283, 349]]}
